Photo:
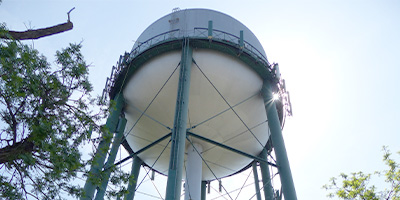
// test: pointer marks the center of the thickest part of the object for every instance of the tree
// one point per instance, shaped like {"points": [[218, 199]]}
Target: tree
{"points": [[45, 116], [356, 185]]}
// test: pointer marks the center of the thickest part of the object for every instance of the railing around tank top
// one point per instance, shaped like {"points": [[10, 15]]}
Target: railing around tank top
{"points": [[197, 33]]}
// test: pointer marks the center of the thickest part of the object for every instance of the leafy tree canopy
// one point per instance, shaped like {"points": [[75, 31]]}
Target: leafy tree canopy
{"points": [[356, 185], [45, 116]]}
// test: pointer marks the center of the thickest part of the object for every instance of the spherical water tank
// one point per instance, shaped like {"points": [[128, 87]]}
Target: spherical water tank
{"points": [[225, 106]]}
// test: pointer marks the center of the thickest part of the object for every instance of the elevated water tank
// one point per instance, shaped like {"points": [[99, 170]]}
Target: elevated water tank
{"points": [[225, 105]]}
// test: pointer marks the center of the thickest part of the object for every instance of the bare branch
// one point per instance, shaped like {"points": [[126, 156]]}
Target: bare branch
{"points": [[38, 33]]}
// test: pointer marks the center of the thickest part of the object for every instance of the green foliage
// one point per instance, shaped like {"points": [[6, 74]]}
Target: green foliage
{"points": [[119, 179], [355, 185], [45, 114]]}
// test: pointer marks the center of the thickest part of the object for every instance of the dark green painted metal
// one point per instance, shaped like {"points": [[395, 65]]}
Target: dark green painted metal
{"points": [[102, 149], [138, 61], [282, 160], [137, 162], [266, 177], [153, 174], [111, 158], [229, 148], [174, 182], [233, 50], [210, 29], [256, 181], [203, 190], [143, 149], [241, 40], [226, 47]]}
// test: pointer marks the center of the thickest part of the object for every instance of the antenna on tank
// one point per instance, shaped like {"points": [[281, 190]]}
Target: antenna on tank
{"points": [[176, 9]]}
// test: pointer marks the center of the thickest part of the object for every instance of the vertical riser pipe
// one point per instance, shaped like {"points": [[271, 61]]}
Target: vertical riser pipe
{"points": [[193, 172]]}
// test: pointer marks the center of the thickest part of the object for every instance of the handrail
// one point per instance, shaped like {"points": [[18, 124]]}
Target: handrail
{"points": [[163, 37], [247, 44], [136, 50]]}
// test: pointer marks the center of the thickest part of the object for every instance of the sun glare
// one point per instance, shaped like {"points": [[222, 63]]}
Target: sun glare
{"points": [[275, 96]]}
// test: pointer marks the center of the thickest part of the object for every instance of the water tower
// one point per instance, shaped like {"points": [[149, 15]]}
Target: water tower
{"points": [[196, 100]]}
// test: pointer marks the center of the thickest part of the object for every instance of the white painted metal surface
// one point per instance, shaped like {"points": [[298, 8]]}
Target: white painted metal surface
{"points": [[189, 19], [193, 166], [231, 77]]}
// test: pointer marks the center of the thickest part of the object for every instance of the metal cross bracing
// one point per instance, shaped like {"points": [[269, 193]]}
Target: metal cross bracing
{"points": [[227, 193], [124, 64], [280, 86], [212, 117], [142, 113]]}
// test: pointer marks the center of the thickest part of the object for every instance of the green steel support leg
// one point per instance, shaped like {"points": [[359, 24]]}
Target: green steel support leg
{"points": [[137, 162], [174, 182], [256, 181], [111, 158], [102, 149], [282, 160], [203, 190], [266, 177]]}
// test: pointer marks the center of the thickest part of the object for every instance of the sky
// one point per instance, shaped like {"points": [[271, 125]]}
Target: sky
{"points": [[340, 60]]}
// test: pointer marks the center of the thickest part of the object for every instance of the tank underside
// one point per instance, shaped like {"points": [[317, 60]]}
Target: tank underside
{"points": [[219, 82]]}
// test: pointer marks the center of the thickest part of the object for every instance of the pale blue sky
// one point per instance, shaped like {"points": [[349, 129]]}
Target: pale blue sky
{"points": [[340, 60]]}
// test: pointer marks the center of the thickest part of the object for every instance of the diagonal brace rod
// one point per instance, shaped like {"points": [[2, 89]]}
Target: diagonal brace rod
{"points": [[222, 112], [228, 103], [142, 113], [230, 148], [141, 150]]}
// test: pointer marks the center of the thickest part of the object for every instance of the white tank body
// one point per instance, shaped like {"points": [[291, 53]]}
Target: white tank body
{"points": [[233, 78]]}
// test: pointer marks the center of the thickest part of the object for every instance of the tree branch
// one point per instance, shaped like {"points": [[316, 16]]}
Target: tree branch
{"points": [[11, 153], [38, 33], [12, 116]]}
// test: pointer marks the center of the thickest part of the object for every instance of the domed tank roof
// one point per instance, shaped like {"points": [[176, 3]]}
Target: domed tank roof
{"points": [[187, 20]]}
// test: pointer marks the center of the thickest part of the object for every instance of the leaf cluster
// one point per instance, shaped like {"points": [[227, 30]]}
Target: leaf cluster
{"points": [[119, 181], [356, 185]]}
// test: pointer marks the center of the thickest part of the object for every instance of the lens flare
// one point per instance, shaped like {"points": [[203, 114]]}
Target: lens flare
{"points": [[275, 96]]}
